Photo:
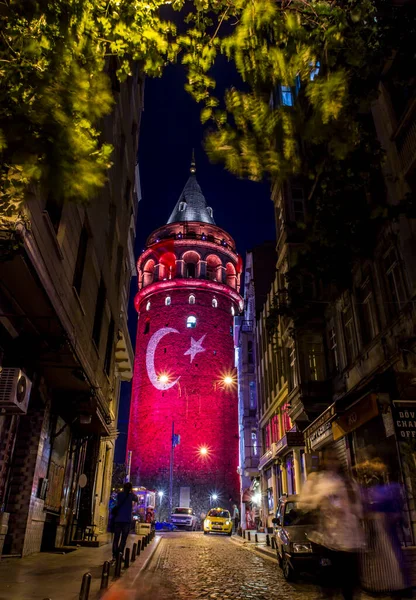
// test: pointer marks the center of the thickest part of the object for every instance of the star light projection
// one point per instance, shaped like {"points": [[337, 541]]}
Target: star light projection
{"points": [[195, 348]]}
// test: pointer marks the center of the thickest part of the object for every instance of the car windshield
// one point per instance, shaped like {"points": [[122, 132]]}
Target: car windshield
{"points": [[222, 514], [182, 511], [294, 516]]}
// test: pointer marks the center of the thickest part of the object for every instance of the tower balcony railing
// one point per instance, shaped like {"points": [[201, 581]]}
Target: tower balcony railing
{"points": [[193, 235]]}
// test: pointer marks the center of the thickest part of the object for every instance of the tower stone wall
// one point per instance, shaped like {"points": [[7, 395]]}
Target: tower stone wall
{"points": [[184, 363]]}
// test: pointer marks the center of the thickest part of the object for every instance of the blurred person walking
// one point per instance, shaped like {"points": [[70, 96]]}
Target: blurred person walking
{"points": [[382, 564], [334, 500], [236, 517], [122, 517]]}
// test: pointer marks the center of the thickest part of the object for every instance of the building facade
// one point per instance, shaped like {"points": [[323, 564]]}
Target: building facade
{"points": [[339, 371], [259, 270], [189, 280], [65, 274]]}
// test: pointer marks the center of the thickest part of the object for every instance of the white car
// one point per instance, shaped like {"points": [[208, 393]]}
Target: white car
{"points": [[184, 518]]}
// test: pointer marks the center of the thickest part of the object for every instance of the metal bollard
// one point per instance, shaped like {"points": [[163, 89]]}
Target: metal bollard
{"points": [[105, 575], [133, 552], [267, 540], [119, 560], [127, 558], [273, 543], [139, 547], [244, 534], [256, 539], [143, 544], [85, 587], [248, 536]]}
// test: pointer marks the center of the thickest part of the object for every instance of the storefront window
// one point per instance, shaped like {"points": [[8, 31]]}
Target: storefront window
{"points": [[270, 502]]}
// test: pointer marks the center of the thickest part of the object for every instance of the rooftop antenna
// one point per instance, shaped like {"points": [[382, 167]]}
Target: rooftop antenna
{"points": [[193, 166]]}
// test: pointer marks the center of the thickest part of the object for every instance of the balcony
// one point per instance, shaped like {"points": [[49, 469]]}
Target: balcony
{"points": [[292, 439], [267, 457]]}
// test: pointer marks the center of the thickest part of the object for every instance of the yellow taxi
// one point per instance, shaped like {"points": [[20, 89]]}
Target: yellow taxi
{"points": [[218, 520]]}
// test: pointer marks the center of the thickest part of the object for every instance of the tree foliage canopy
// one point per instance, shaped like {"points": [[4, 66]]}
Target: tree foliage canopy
{"points": [[55, 90]]}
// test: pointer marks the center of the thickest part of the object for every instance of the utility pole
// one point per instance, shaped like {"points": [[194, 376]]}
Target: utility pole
{"points": [[174, 442]]}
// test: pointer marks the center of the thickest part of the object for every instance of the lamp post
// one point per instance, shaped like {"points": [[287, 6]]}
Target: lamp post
{"points": [[160, 494]]}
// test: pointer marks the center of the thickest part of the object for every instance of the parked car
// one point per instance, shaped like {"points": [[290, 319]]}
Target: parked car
{"points": [[295, 553], [184, 518], [218, 520]]}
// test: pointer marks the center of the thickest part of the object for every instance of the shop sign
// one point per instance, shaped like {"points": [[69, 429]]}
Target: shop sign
{"points": [[404, 416], [356, 416], [321, 435], [321, 431]]}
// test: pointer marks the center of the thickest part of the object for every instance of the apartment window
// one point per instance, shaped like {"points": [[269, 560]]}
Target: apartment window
{"points": [[315, 363], [254, 443], [333, 348], [394, 278], [286, 95], [109, 348], [315, 68], [367, 310], [111, 227], [81, 256], [191, 299], [275, 428], [286, 422], [54, 210], [146, 329], [349, 333], [293, 366], [168, 301], [268, 439], [99, 312]]}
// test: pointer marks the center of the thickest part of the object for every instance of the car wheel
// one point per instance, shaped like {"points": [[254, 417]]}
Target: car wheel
{"points": [[205, 532], [279, 559], [288, 572], [230, 533]]}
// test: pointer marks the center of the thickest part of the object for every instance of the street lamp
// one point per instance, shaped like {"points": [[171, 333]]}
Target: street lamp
{"points": [[163, 378], [203, 451], [228, 380]]}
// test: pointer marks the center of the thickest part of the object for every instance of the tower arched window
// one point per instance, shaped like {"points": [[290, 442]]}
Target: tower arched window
{"points": [[214, 303], [148, 305], [168, 301], [191, 322], [191, 299]]}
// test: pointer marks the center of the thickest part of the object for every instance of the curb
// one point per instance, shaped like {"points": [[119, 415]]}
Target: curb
{"points": [[130, 575], [254, 548]]}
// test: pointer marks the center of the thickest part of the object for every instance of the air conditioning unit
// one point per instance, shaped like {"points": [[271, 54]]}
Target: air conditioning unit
{"points": [[15, 389]]}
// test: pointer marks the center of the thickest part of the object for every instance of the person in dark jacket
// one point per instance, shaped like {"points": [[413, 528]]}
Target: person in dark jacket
{"points": [[122, 518]]}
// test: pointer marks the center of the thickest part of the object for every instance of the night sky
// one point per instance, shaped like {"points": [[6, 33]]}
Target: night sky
{"points": [[170, 128]]}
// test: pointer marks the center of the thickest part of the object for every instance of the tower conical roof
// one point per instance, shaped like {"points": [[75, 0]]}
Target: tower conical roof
{"points": [[192, 205]]}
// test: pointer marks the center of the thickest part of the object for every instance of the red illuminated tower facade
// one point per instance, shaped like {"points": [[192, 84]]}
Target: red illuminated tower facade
{"points": [[189, 280]]}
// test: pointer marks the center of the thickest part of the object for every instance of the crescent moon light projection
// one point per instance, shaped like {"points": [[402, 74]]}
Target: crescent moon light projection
{"points": [[150, 358]]}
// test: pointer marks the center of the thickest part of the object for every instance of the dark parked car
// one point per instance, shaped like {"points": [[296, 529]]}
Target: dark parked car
{"points": [[295, 553]]}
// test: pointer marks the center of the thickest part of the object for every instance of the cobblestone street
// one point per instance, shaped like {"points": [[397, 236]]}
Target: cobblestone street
{"points": [[193, 566]]}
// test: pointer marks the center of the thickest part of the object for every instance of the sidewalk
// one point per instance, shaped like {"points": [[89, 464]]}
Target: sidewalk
{"points": [[58, 576], [261, 548]]}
